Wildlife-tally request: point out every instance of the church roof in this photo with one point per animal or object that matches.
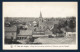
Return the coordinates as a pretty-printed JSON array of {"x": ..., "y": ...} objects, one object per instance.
[{"x": 25, "y": 32}]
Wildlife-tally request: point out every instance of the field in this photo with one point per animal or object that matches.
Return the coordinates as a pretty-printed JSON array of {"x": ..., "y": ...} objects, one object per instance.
[{"x": 62, "y": 40}]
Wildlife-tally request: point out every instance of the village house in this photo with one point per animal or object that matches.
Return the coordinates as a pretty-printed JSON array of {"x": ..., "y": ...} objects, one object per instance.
[
  {"x": 10, "y": 33},
  {"x": 24, "y": 35}
]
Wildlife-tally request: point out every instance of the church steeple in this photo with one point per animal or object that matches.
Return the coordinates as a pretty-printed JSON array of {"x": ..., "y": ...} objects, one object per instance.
[
  {"x": 40, "y": 15},
  {"x": 40, "y": 18}
]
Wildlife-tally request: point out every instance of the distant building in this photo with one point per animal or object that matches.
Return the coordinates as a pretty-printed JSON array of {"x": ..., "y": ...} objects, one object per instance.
[
  {"x": 25, "y": 33},
  {"x": 39, "y": 28},
  {"x": 41, "y": 23},
  {"x": 70, "y": 34},
  {"x": 11, "y": 32},
  {"x": 24, "y": 36}
]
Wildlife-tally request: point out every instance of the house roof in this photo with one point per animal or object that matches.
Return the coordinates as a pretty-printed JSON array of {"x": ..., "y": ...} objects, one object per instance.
[
  {"x": 34, "y": 22},
  {"x": 11, "y": 29},
  {"x": 25, "y": 32}
]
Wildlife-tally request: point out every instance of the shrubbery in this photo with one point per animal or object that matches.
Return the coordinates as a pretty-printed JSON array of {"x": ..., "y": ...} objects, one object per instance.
[{"x": 68, "y": 25}]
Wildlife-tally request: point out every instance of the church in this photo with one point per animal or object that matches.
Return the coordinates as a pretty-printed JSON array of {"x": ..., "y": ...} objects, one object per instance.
[{"x": 40, "y": 26}]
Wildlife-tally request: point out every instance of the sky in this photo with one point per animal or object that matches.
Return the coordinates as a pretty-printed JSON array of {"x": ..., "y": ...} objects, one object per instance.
[{"x": 33, "y": 9}]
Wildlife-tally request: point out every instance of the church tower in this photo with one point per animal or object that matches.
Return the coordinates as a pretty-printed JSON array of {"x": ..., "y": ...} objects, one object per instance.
[{"x": 40, "y": 22}]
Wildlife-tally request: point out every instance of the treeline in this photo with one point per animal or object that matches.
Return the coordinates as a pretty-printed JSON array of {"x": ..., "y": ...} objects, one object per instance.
[{"x": 68, "y": 25}]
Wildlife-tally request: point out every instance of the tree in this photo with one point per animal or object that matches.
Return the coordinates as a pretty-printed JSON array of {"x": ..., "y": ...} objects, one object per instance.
[
  {"x": 72, "y": 23},
  {"x": 56, "y": 29}
]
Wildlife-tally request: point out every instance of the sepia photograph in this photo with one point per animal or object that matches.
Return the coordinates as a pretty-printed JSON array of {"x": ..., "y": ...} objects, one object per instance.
[{"x": 40, "y": 24}]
